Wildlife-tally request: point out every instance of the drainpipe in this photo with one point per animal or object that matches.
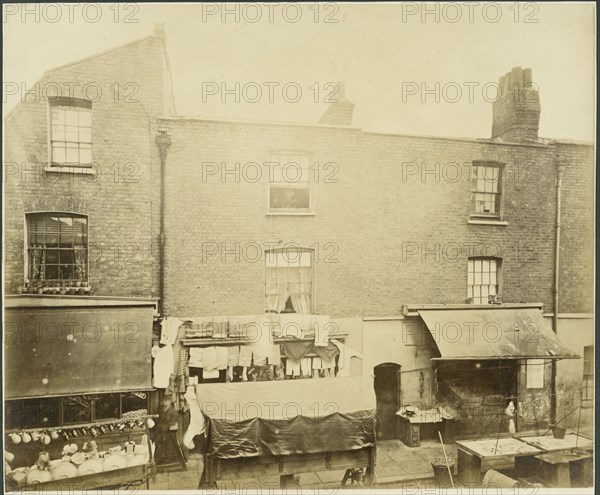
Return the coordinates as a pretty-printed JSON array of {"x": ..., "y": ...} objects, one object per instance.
[
  {"x": 163, "y": 141},
  {"x": 560, "y": 168}
]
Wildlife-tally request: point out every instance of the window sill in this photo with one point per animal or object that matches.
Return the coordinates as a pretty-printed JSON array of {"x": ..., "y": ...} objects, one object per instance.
[
  {"x": 70, "y": 170},
  {"x": 485, "y": 221},
  {"x": 290, "y": 214}
]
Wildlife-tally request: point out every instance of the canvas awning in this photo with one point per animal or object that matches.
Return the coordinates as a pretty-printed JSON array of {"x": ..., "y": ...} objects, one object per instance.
[
  {"x": 495, "y": 333},
  {"x": 286, "y": 399}
]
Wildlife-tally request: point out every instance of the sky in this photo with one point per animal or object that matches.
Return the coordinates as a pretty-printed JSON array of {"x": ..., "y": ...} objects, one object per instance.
[{"x": 412, "y": 68}]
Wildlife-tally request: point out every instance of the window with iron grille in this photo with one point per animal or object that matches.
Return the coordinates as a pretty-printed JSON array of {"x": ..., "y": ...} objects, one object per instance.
[
  {"x": 57, "y": 247},
  {"x": 486, "y": 189},
  {"x": 482, "y": 279},
  {"x": 70, "y": 131},
  {"x": 289, "y": 188}
]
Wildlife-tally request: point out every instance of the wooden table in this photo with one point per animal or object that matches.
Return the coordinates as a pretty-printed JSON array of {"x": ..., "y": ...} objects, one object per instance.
[
  {"x": 556, "y": 468},
  {"x": 560, "y": 458},
  {"x": 287, "y": 466},
  {"x": 471, "y": 454},
  {"x": 550, "y": 444},
  {"x": 552, "y": 456}
]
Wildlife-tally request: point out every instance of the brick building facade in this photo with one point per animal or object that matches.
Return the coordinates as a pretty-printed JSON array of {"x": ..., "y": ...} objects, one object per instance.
[{"x": 389, "y": 219}]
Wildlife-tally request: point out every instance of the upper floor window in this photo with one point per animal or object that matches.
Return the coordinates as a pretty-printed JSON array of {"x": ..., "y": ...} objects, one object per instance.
[
  {"x": 289, "y": 188},
  {"x": 70, "y": 131},
  {"x": 486, "y": 189},
  {"x": 482, "y": 279},
  {"x": 57, "y": 247},
  {"x": 289, "y": 281}
]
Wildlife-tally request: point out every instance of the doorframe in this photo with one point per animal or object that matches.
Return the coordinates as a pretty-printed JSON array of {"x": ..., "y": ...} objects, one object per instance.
[{"x": 398, "y": 366}]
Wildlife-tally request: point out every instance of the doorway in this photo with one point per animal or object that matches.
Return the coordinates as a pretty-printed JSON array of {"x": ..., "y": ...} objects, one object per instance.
[{"x": 387, "y": 393}]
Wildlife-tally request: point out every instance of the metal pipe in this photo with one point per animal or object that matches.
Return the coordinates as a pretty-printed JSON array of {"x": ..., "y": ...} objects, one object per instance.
[
  {"x": 560, "y": 168},
  {"x": 163, "y": 141}
]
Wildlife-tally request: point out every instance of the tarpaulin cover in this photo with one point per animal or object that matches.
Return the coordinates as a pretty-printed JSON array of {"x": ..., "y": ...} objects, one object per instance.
[
  {"x": 510, "y": 333},
  {"x": 289, "y": 417}
]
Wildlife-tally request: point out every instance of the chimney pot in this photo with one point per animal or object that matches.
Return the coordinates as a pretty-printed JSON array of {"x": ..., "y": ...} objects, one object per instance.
[
  {"x": 527, "y": 78},
  {"x": 506, "y": 88},
  {"x": 516, "y": 77}
]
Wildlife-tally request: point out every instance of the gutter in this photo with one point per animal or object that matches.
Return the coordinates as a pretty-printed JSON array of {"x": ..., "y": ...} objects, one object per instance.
[
  {"x": 163, "y": 141},
  {"x": 560, "y": 168}
]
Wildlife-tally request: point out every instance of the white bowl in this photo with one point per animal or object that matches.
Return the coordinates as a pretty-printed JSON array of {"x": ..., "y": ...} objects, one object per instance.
[
  {"x": 38, "y": 476},
  {"x": 91, "y": 466},
  {"x": 63, "y": 471},
  {"x": 114, "y": 461}
]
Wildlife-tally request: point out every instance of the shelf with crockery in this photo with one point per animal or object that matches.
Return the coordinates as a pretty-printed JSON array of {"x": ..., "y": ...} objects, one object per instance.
[{"x": 83, "y": 456}]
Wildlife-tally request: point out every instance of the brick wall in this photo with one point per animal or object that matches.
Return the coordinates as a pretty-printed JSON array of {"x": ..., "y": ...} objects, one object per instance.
[
  {"x": 372, "y": 219},
  {"x": 119, "y": 199},
  {"x": 391, "y": 213},
  {"x": 576, "y": 279}
]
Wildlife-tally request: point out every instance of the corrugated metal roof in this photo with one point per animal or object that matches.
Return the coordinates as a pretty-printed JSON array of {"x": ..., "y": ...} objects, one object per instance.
[{"x": 494, "y": 334}]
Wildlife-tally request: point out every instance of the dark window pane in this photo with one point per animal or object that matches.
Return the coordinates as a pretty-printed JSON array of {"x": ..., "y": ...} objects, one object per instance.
[
  {"x": 66, "y": 240},
  {"x": 134, "y": 401},
  {"x": 107, "y": 406},
  {"x": 67, "y": 272},
  {"x": 52, "y": 256},
  {"x": 67, "y": 257},
  {"x": 32, "y": 413},
  {"x": 52, "y": 272},
  {"x": 77, "y": 409}
]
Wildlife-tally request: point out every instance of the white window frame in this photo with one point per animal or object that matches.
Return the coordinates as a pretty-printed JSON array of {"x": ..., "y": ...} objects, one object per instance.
[
  {"x": 26, "y": 247},
  {"x": 480, "y": 277},
  {"x": 80, "y": 106},
  {"x": 277, "y": 163},
  {"x": 311, "y": 256},
  {"x": 496, "y": 187}
]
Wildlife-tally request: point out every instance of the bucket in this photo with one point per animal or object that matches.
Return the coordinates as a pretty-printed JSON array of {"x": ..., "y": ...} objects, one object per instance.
[
  {"x": 440, "y": 472},
  {"x": 558, "y": 431}
]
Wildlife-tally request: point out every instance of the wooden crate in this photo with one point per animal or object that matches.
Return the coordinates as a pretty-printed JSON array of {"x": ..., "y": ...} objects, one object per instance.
[{"x": 410, "y": 433}]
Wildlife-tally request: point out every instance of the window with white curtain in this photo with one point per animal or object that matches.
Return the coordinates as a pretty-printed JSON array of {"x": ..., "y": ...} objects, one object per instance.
[
  {"x": 289, "y": 280},
  {"x": 482, "y": 279}
]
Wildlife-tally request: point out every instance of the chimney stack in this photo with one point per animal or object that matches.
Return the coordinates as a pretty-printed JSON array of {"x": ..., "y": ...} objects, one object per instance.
[
  {"x": 159, "y": 29},
  {"x": 340, "y": 111},
  {"x": 516, "y": 112}
]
